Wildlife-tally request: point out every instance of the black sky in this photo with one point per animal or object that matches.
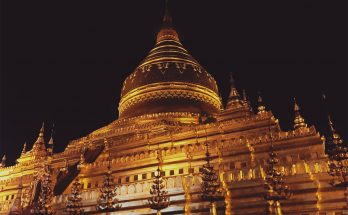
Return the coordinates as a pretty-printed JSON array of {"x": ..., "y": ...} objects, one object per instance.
[{"x": 65, "y": 61}]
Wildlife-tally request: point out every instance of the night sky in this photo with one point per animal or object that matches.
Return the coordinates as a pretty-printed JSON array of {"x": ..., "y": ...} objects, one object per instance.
[{"x": 65, "y": 61}]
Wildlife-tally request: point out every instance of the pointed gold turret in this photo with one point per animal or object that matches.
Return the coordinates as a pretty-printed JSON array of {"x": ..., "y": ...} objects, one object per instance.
[
  {"x": 24, "y": 150},
  {"x": 336, "y": 138},
  {"x": 245, "y": 97},
  {"x": 234, "y": 99},
  {"x": 3, "y": 161},
  {"x": 261, "y": 107},
  {"x": 299, "y": 121},
  {"x": 246, "y": 101},
  {"x": 40, "y": 138},
  {"x": 167, "y": 31},
  {"x": 39, "y": 145},
  {"x": 51, "y": 141},
  {"x": 50, "y": 144},
  {"x": 338, "y": 158}
]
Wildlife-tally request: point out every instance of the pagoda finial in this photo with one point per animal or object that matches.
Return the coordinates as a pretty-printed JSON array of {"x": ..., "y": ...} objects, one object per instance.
[
  {"x": 234, "y": 99},
  {"x": 51, "y": 141},
  {"x": 232, "y": 81},
  {"x": 40, "y": 141},
  {"x": 333, "y": 134},
  {"x": 332, "y": 129},
  {"x": 299, "y": 121},
  {"x": 24, "y": 150},
  {"x": 338, "y": 158},
  {"x": 3, "y": 161},
  {"x": 246, "y": 100},
  {"x": 42, "y": 129},
  {"x": 41, "y": 133},
  {"x": 336, "y": 138},
  {"x": 245, "y": 97},
  {"x": 261, "y": 107},
  {"x": 167, "y": 18},
  {"x": 167, "y": 31}
]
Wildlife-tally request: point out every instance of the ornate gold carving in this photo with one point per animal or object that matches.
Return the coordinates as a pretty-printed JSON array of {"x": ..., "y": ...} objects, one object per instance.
[{"x": 169, "y": 90}]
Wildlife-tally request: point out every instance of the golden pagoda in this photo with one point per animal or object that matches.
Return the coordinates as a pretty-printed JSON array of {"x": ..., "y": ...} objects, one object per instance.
[{"x": 170, "y": 105}]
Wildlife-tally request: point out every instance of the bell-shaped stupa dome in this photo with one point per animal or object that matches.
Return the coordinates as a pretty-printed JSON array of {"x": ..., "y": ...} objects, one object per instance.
[{"x": 169, "y": 79}]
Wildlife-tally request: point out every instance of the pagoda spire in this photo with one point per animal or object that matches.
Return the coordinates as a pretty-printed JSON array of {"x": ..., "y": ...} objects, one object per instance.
[
  {"x": 167, "y": 31},
  {"x": 51, "y": 142},
  {"x": 338, "y": 157},
  {"x": 40, "y": 141},
  {"x": 167, "y": 18},
  {"x": 261, "y": 108},
  {"x": 245, "y": 97},
  {"x": 246, "y": 100},
  {"x": 41, "y": 134},
  {"x": 3, "y": 161},
  {"x": 24, "y": 150},
  {"x": 234, "y": 97},
  {"x": 335, "y": 136},
  {"x": 299, "y": 121}
]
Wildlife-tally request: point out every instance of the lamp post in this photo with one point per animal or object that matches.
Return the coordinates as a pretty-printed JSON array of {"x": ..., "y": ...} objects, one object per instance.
[
  {"x": 159, "y": 198},
  {"x": 338, "y": 160},
  {"x": 276, "y": 189},
  {"x": 211, "y": 187},
  {"x": 107, "y": 201},
  {"x": 44, "y": 204},
  {"x": 74, "y": 205}
]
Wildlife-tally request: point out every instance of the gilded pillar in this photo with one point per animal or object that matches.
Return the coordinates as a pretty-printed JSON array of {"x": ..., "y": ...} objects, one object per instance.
[
  {"x": 346, "y": 195},
  {"x": 187, "y": 181},
  {"x": 213, "y": 208},
  {"x": 219, "y": 149},
  {"x": 274, "y": 207},
  {"x": 227, "y": 194},
  {"x": 186, "y": 185}
]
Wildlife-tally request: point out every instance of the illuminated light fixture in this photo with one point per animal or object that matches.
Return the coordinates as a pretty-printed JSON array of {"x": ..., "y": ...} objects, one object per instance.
[
  {"x": 211, "y": 187},
  {"x": 107, "y": 201},
  {"x": 159, "y": 198},
  {"x": 276, "y": 188}
]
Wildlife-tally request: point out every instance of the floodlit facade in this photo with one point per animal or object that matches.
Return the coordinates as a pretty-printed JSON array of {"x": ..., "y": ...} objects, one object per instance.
[{"x": 171, "y": 124}]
